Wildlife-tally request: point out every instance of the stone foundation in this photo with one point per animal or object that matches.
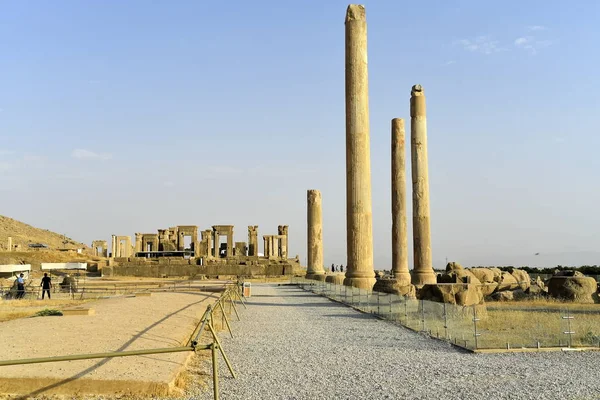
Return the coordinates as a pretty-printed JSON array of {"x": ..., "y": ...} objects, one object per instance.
[
  {"x": 335, "y": 279},
  {"x": 395, "y": 286}
]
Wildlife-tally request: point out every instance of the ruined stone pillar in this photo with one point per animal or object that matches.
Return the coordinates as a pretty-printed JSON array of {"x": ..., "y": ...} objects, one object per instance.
[
  {"x": 253, "y": 240},
  {"x": 423, "y": 269},
  {"x": 208, "y": 236},
  {"x": 399, "y": 222},
  {"x": 314, "y": 245},
  {"x": 359, "y": 230},
  {"x": 283, "y": 247},
  {"x": 114, "y": 246},
  {"x": 138, "y": 242},
  {"x": 230, "y": 245},
  {"x": 10, "y": 246},
  {"x": 283, "y": 230},
  {"x": 265, "y": 246}
]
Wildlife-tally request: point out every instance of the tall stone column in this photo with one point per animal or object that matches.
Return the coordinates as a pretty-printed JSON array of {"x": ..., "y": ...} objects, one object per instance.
[
  {"x": 230, "y": 244},
  {"x": 399, "y": 223},
  {"x": 114, "y": 246},
  {"x": 314, "y": 245},
  {"x": 423, "y": 269},
  {"x": 400, "y": 282},
  {"x": 265, "y": 246},
  {"x": 359, "y": 230}
]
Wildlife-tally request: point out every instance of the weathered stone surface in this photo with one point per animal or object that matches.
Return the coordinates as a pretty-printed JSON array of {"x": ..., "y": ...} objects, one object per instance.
[
  {"x": 485, "y": 275},
  {"x": 359, "y": 221},
  {"x": 335, "y": 279},
  {"x": 496, "y": 271},
  {"x": 453, "y": 266},
  {"x": 506, "y": 282},
  {"x": 522, "y": 278},
  {"x": 395, "y": 286},
  {"x": 455, "y": 273},
  {"x": 488, "y": 288},
  {"x": 314, "y": 235},
  {"x": 507, "y": 295},
  {"x": 423, "y": 267},
  {"x": 400, "y": 270},
  {"x": 577, "y": 288},
  {"x": 460, "y": 294}
]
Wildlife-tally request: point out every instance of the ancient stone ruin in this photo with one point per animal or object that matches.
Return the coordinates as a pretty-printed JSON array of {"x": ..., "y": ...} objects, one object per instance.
[{"x": 180, "y": 251}]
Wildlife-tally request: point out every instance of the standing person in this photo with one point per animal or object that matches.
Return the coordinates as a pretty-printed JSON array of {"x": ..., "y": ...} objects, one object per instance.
[
  {"x": 332, "y": 268},
  {"x": 20, "y": 286},
  {"x": 46, "y": 285},
  {"x": 341, "y": 267}
]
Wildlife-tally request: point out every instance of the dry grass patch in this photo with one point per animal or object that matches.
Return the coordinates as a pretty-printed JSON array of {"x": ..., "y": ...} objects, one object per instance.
[{"x": 15, "y": 309}]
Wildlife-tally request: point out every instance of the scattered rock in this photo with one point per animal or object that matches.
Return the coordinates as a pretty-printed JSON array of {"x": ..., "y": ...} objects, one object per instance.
[
  {"x": 460, "y": 294},
  {"x": 506, "y": 282},
  {"x": 575, "y": 287}
]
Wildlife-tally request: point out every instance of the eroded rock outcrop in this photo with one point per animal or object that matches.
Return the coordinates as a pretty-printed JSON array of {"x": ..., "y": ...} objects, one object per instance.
[{"x": 574, "y": 286}]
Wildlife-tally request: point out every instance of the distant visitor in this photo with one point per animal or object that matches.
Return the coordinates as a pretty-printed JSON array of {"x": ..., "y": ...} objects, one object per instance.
[{"x": 46, "y": 285}]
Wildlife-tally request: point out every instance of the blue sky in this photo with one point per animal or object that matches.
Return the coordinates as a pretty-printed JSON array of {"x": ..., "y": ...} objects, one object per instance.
[{"x": 122, "y": 117}]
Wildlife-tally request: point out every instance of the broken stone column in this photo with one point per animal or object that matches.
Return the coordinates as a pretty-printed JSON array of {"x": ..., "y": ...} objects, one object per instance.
[
  {"x": 400, "y": 281},
  {"x": 423, "y": 269},
  {"x": 114, "y": 246},
  {"x": 283, "y": 231},
  {"x": 314, "y": 245},
  {"x": 138, "y": 242},
  {"x": 9, "y": 245},
  {"x": 253, "y": 240},
  {"x": 359, "y": 272},
  {"x": 265, "y": 246}
]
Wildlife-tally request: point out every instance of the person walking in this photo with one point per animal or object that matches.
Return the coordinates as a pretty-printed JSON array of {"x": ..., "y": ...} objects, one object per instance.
[
  {"x": 46, "y": 285},
  {"x": 20, "y": 286}
]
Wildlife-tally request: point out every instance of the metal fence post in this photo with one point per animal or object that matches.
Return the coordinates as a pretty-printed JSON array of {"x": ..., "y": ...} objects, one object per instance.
[
  {"x": 213, "y": 350},
  {"x": 475, "y": 319},
  {"x": 445, "y": 322},
  {"x": 422, "y": 315},
  {"x": 569, "y": 331}
]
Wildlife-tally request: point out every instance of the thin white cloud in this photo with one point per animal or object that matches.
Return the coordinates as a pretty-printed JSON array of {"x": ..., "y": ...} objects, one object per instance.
[
  {"x": 522, "y": 41},
  {"x": 559, "y": 140},
  {"x": 534, "y": 28},
  {"x": 83, "y": 154},
  {"x": 168, "y": 184},
  {"x": 449, "y": 62},
  {"x": 531, "y": 44},
  {"x": 481, "y": 44},
  {"x": 6, "y": 152}
]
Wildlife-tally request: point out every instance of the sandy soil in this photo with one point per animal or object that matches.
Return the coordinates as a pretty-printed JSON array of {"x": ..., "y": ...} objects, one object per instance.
[{"x": 119, "y": 324}]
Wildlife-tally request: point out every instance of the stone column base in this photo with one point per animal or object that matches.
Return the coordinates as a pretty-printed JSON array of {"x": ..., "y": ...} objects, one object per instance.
[
  {"x": 315, "y": 277},
  {"x": 361, "y": 283},
  {"x": 335, "y": 279},
  {"x": 398, "y": 287},
  {"x": 424, "y": 278}
]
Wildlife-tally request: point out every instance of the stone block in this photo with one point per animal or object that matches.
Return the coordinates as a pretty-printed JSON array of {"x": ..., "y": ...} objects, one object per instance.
[{"x": 79, "y": 311}]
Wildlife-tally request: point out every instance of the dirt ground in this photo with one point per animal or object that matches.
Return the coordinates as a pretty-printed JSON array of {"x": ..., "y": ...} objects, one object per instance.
[{"x": 119, "y": 324}]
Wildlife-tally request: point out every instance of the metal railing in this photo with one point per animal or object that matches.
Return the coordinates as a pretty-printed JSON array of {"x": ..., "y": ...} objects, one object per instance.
[
  {"x": 223, "y": 306},
  {"x": 486, "y": 327}
]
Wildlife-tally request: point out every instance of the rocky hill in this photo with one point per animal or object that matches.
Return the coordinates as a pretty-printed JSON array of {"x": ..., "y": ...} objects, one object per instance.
[{"x": 23, "y": 235}]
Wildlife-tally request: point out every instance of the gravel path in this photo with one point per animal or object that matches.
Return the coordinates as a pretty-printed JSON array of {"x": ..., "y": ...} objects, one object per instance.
[{"x": 293, "y": 344}]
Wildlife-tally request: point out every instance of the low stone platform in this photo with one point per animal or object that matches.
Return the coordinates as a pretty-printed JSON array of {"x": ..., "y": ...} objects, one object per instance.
[
  {"x": 143, "y": 294},
  {"x": 79, "y": 311},
  {"x": 121, "y": 324}
]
